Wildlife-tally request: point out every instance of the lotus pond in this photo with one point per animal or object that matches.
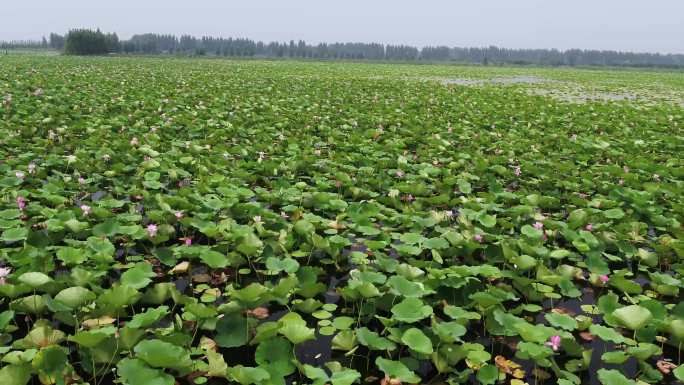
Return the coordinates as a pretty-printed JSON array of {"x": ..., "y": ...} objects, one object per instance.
[{"x": 192, "y": 221}]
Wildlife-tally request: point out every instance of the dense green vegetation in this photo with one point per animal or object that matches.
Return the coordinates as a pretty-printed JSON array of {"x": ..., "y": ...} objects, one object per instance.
[
  {"x": 256, "y": 222},
  {"x": 87, "y": 42}
]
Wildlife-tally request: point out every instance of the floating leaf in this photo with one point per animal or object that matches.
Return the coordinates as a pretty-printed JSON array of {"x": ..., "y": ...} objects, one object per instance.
[
  {"x": 417, "y": 340},
  {"x": 135, "y": 372},
  {"x": 411, "y": 310},
  {"x": 160, "y": 354},
  {"x": 633, "y": 317}
]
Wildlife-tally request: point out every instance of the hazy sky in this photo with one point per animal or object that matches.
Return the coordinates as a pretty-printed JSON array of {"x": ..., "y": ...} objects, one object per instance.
[{"x": 635, "y": 25}]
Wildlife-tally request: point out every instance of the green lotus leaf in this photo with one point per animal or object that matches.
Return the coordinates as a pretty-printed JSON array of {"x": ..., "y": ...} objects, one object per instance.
[
  {"x": 613, "y": 377},
  {"x": 232, "y": 331},
  {"x": 34, "y": 279},
  {"x": 562, "y": 321},
  {"x": 214, "y": 259},
  {"x": 456, "y": 313},
  {"x": 487, "y": 220},
  {"x": 294, "y": 328},
  {"x": 75, "y": 297},
  {"x": 411, "y": 310},
  {"x": 92, "y": 338},
  {"x": 71, "y": 256},
  {"x": 343, "y": 322},
  {"x": 136, "y": 372},
  {"x": 606, "y": 333},
  {"x": 344, "y": 340},
  {"x": 417, "y": 340},
  {"x": 160, "y": 354},
  {"x": 247, "y": 375},
  {"x": 15, "y": 374},
  {"x": 34, "y": 304},
  {"x": 402, "y": 286},
  {"x": 147, "y": 318},
  {"x": 488, "y": 374},
  {"x": 615, "y": 213},
  {"x": 531, "y": 232},
  {"x": 678, "y": 372},
  {"x": 449, "y": 331},
  {"x": 633, "y": 317},
  {"x": 14, "y": 234},
  {"x": 304, "y": 228},
  {"x": 139, "y": 276},
  {"x": 344, "y": 377},
  {"x": 277, "y": 265},
  {"x": 373, "y": 340},
  {"x": 43, "y": 335},
  {"x": 397, "y": 370},
  {"x": 51, "y": 361},
  {"x": 616, "y": 357},
  {"x": 533, "y": 351},
  {"x": 252, "y": 295},
  {"x": 276, "y": 353}
]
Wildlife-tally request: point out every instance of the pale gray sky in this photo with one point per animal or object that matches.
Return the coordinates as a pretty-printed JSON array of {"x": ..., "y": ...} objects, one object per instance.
[{"x": 634, "y": 25}]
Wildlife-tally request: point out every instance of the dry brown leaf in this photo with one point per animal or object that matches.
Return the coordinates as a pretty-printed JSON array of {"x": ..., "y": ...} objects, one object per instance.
[
  {"x": 96, "y": 322},
  {"x": 207, "y": 344},
  {"x": 562, "y": 310},
  {"x": 180, "y": 268},
  {"x": 518, "y": 382},
  {"x": 586, "y": 336},
  {"x": 502, "y": 363},
  {"x": 259, "y": 313},
  {"x": 665, "y": 367},
  {"x": 519, "y": 373},
  {"x": 201, "y": 278},
  {"x": 541, "y": 374}
]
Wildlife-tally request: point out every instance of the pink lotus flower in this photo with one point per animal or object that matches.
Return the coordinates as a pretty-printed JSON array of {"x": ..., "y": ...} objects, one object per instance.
[
  {"x": 152, "y": 230},
  {"x": 4, "y": 272},
  {"x": 589, "y": 227},
  {"x": 400, "y": 174},
  {"x": 21, "y": 203},
  {"x": 187, "y": 241},
  {"x": 32, "y": 168},
  {"x": 134, "y": 141},
  {"x": 86, "y": 209},
  {"x": 604, "y": 278},
  {"x": 178, "y": 214},
  {"x": 477, "y": 238},
  {"x": 20, "y": 175},
  {"x": 554, "y": 342},
  {"x": 81, "y": 180},
  {"x": 538, "y": 225},
  {"x": 517, "y": 171}
]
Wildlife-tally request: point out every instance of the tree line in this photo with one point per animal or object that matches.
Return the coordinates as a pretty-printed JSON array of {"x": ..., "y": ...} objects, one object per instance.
[{"x": 89, "y": 42}]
